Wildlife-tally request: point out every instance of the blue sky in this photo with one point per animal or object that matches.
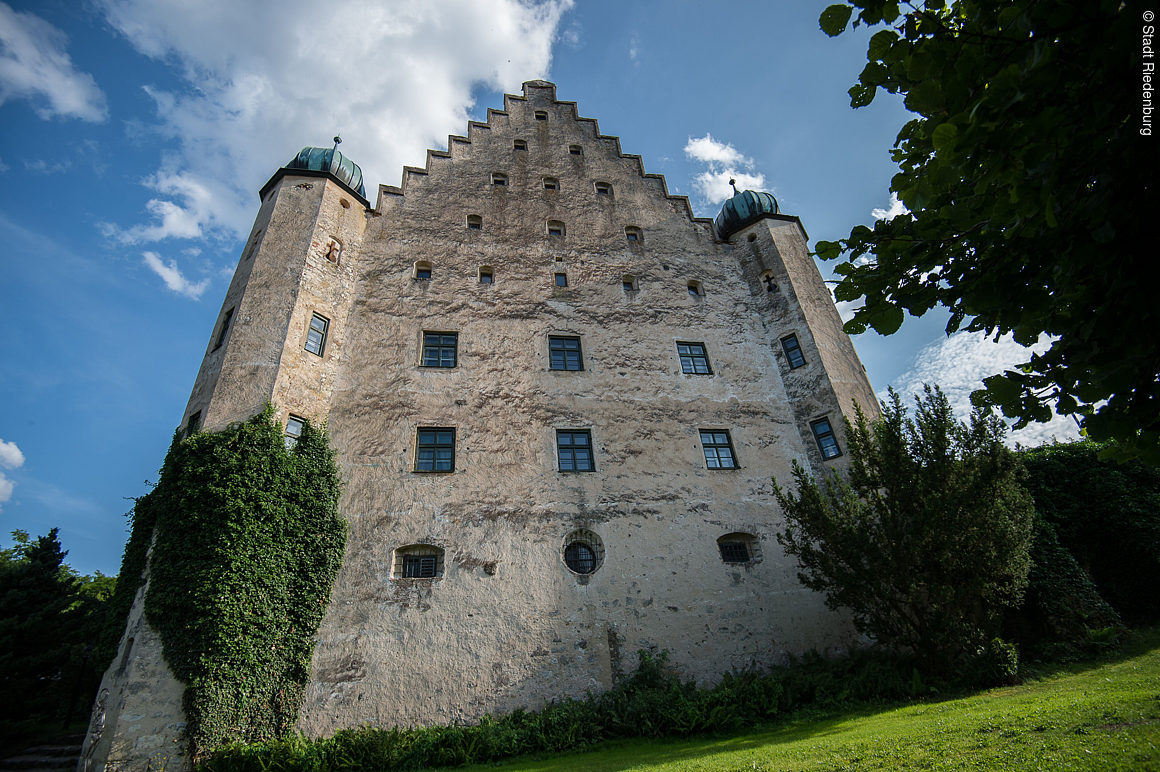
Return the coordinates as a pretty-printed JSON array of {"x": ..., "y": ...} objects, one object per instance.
[{"x": 135, "y": 134}]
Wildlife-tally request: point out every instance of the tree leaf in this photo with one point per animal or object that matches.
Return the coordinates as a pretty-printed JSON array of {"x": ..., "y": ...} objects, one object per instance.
[
  {"x": 944, "y": 136},
  {"x": 834, "y": 19}
]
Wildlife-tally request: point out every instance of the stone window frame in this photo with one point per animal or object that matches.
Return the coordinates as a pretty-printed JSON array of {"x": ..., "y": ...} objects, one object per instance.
[
  {"x": 519, "y": 144},
  {"x": 792, "y": 350},
  {"x": 694, "y": 357},
  {"x": 551, "y": 183},
  {"x": 588, "y": 540},
  {"x": 560, "y": 280},
  {"x": 293, "y": 430},
  {"x": 540, "y": 115},
  {"x": 767, "y": 280},
  {"x": 696, "y": 289},
  {"x": 827, "y": 440},
  {"x": 334, "y": 250},
  {"x": 564, "y": 348},
  {"x": 486, "y": 271},
  {"x": 576, "y": 150},
  {"x": 603, "y": 188},
  {"x": 499, "y": 180},
  {"x": 413, "y": 556},
  {"x": 633, "y": 234},
  {"x": 474, "y": 222},
  {"x": 629, "y": 284},
  {"x": 730, "y": 545},
  {"x": 225, "y": 330},
  {"x": 193, "y": 423},
  {"x": 439, "y": 346},
  {"x": 420, "y": 267},
  {"x": 711, "y": 451},
  {"x": 317, "y": 336},
  {"x": 556, "y": 229},
  {"x": 571, "y": 447},
  {"x": 435, "y": 445}
]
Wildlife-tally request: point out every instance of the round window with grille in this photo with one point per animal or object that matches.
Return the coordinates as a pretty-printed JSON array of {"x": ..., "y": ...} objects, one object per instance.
[{"x": 583, "y": 552}]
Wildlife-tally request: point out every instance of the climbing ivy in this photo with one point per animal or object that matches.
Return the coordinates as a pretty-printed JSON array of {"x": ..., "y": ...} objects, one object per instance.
[{"x": 248, "y": 543}]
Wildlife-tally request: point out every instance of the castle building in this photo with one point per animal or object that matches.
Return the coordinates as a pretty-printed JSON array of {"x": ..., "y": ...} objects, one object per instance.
[{"x": 557, "y": 400}]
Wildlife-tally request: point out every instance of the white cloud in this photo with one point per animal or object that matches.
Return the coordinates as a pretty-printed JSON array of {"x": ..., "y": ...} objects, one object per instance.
[
  {"x": 173, "y": 277},
  {"x": 34, "y": 65},
  {"x": 572, "y": 36},
  {"x": 723, "y": 161},
  {"x": 634, "y": 48},
  {"x": 265, "y": 79},
  {"x": 896, "y": 208},
  {"x": 40, "y": 166},
  {"x": 958, "y": 365},
  {"x": 10, "y": 458},
  {"x": 3, "y": 166}
]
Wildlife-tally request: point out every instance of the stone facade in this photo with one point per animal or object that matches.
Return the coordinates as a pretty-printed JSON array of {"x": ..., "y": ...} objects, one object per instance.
[{"x": 505, "y": 622}]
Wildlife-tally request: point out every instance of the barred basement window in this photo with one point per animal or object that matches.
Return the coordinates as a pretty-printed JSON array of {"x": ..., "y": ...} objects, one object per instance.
[
  {"x": 294, "y": 426},
  {"x": 418, "y": 561},
  {"x": 575, "y": 150},
  {"x": 316, "y": 335},
  {"x": 225, "y": 329},
  {"x": 435, "y": 450},
  {"x": 520, "y": 144},
  {"x": 793, "y": 352},
  {"x": 474, "y": 222},
  {"x": 541, "y": 115},
  {"x": 564, "y": 353},
  {"x": 583, "y": 552},
  {"x": 739, "y": 548},
  {"x": 824, "y": 434},
  {"x": 718, "y": 450},
  {"x": 551, "y": 183},
  {"x": 694, "y": 358},
  {"x": 574, "y": 451},
  {"x": 498, "y": 179},
  {"x": 439, "y": 349}
]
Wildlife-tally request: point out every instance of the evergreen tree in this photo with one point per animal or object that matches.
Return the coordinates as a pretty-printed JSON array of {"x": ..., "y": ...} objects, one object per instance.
[{"x": 928, "y": 540}]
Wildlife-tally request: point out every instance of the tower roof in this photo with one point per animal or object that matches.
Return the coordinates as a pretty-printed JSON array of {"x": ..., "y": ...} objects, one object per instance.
[
  {"x": 744, "y": 208},
  {"x": 325, "y": 159}
]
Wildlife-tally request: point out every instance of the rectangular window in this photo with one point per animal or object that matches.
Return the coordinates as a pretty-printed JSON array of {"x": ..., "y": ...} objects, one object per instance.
[
  {"x": 718, "y": 450},
  {"x": 824, "y": 434},
  {"x": 193, "y": 424},
  {"x": 316, "y": 335},
  {"x": 564, "y": 354},
  {"x": 439, "y": 349},
  {"x": 521, "y": 144},
  {"x": 225, "y": 329},
  {"x": 575, "y": 451},
  {"x": 419, "y": 566},
  {"x": 734, "y": 551},
  {"x": 694, "y": 360},
  {"x": 293, "y": 430},
  {"x": 793, "y": 352},
  {"x": 435, "y": 451},
  {"x": 561, "y": 280}
]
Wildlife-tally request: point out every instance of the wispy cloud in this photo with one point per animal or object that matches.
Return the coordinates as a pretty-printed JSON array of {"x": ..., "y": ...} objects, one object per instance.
[
  {"x": 34, "y": 66},
  {"x": 400, "y": 82},
  {"x": 40, "y": 166},
  {"x": 572, "y": 36},
  {"x": 10, "y": 458},
  {"x": 725, "y": 163},
  {"x": 896, "y": 208},
  {"x": 173, "y": 277},
  {"x": 958, "y": 365}
]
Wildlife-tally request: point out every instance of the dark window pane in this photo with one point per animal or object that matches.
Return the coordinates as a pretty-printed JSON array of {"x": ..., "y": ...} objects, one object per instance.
[
  {"x": 561, "y": 280},
  {"x": 827, "y": 443},
  {"x": 718, "y": 450},
  {"x": 793, "y": 351},
  {"x": 628, "y": 287},
  {"x": 564, "y": 354},
  {"x": 694, "y": 359},
  {"x": 316, "y": 335},
  {"x": 423, "y": 273},
  {"x": 436, "y": 451},
  {"x": 485, "y": 278},
  {"x": 439, "y": 349},
  {"x": 580, "y": 558},
  {"x": 734, "y": 552}
]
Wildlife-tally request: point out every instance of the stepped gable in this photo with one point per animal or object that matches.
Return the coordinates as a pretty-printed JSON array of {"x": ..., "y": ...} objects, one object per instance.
[{"x": 457, "y": 144}]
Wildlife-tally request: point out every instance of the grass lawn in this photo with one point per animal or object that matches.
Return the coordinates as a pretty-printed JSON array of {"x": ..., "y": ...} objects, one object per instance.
[{"x": 1103, "y": 716}]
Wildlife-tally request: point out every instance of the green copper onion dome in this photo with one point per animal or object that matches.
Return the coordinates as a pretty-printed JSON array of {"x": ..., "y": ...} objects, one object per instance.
[
  {"x": 325, "y": 159},
  {"x": 744, "y": 208}
]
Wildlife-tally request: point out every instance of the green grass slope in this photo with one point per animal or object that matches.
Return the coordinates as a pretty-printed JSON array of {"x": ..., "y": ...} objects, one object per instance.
[{"x": 1101, "y": 717}]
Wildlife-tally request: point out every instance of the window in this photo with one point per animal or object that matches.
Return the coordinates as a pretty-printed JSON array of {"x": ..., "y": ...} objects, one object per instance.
[
  {"x": 551, "y": 183},
  {"x": 225, "y": 329},
  {"x": 474, "y": 222},
  {"x": 628, "y": 282},
  {"x": 193, "y": 424},
  {"x": 583, "y": 551},
  {"x": 316, "y": 335},
  {"x": 633, "y": 234},
  {"x": 561, "y": 280},
  {"x": 435, "y": 451},
  {"x": 694, "y": 359},
  {"x": 418, "y": 561},
  {"x": 718, "y": 450},
  {"x": 603, "y": 189},
  {"x": 564, "y": 353},
  {"x": 824, "y": 434},
  {"x": 334, "y": 251},
  {"x": 555, "y": 228},
  {"x": 439, "y": 349},
  {"x": 486, "y": 274},
  {"x": 422, "y": 270},
  {"x": 253, "y": 246},
  {"x": 498, "y": 179},
  {"x": 739, "y": 548},
  {"x": 520, "y": 144},
  {"x": 574, "y": 450},
  {"x": 770, "y": 284},
  {"x": 575, "y": 150},
  {"x": 793, "y": 352},
  {"x": 293, "y": 430},
  {"x": 541, "y": 115},
  {"x": 695, "y": 289}
]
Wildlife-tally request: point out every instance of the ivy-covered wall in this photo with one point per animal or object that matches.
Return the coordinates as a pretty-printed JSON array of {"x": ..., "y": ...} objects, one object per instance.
[{"x": 248, "y": 543}]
